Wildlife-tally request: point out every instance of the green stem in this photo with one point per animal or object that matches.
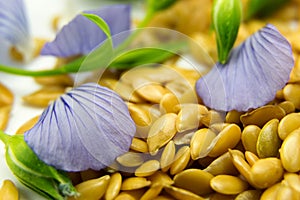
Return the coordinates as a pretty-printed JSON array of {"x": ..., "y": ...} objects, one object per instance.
[{"x": 4, "y": 137}]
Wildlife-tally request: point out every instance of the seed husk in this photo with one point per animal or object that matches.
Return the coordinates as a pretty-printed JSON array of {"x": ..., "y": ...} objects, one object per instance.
[
  {"x": 44, "y": 96},
  {"x": 133, "y": 183},
  {"x": 179, "y": 193},
  {"x": 9, "y": 191},
  {"x": 249, "y": 137},
  {"x": 268, "y": 141},
  {"x": 194, "y": 180},
  {"x": 262, "y": 115},
  {"x": 227, "y": 184},
  {"x": 290, "y": 152},
  {"x": 147, "y": 168},
  {"x": 167, "y": 156},
  {"x": 288, "y": 124},
  {"x": 161, "y": 132},
  {"x": 114, "y": 186},
  {"x": 6, "y": 96}
]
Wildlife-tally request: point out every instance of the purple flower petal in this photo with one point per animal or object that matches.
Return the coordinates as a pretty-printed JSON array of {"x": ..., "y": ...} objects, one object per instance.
[
  {"x": 81, "y": 35},
  {"x": 86, "y": 128},
  {"x": 254, "y": 72},
  {"x": 13, "y": 22}
]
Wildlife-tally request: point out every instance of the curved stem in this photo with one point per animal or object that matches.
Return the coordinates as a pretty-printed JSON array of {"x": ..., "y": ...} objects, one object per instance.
[{"x": 4, "y": 137}]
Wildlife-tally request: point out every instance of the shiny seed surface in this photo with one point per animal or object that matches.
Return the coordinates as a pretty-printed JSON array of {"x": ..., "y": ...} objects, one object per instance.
[
  {"x": 288, "y": 124},
  {"x": 114, "y": 186},
  {"x": 167, "y": 156},
  {"x": 134, "y": 183},
  {"x": 194, "y": 180},
  {"x": 147, "y": 168},
  {"x": 226, "y": 184},
  {"x": 249, "y": 137}
]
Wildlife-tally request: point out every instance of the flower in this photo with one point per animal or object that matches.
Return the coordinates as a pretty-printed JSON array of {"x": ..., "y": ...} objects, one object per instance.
[
  {"x": 81, "y": 35},
  {"x": 86, "y": 128},
  {"x": 14, "y": 29},
  {"x": 254, "y": 72}
]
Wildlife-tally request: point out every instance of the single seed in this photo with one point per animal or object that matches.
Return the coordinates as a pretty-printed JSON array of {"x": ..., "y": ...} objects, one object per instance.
[
  {"x": 8, "y": 191},
  {"x": 251, "y": 158},
  {"x": 288, "y": 124},
  {"x": 152, "y": 192},
  {"x": 226, "y": 139},
  {"x": 268, "y": 141},
  {"x": 147, "y": 168},
  {"x": 262, "y": 115},
  {"x": 152, "y": 92},
  {"x": 161, "y": 132},
  {"x": 28, "y": 125},
  {"x": 4, "y": 116},
  {"x": 130, "y": 159},
  {"x": 160, "y": 178},
  {"x": 291, "y": 93},
  {"x": 139, "y": 145},
  {"x": 179, "y": 193},
  {"x": 169, "y": 103},
  {"x": 6, "y": 96},
  {"x": 92, "y": 189},
  {"x": 134, "y": 183},
  {"x": 233, "y": 117},
  {"x": 266, "y": 172},
  {"x": 288, "y": 106},
  {"x": 140, "y": 116},
  {"x": 167, "y": 156},
  {"x": 222, "y": 165},
  {"x": 290, "y": 152},
  {"x": 194, "y": 180},
  {"x": 249, "y": 137},
  {"x": 181, "y": 160},
  {"x": 189, "y": 116},
  {"x": 200, "y": 142},
  {"x": 44, "y": 96},
  {"x": 227, "y": 184},
  {"x": 57, "y": 80},
  {"x": 114, "y": 186}
]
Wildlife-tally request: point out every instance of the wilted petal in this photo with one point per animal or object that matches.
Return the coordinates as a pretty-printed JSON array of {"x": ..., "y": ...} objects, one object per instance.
[
  {"x": 255, "y": 71},
  {"x": 88, "y": 127},
  {"x": 81, "y": 35}
]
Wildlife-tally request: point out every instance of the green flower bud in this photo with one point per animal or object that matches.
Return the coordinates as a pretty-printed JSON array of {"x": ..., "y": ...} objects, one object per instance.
[
  {"x": 33, "y": 172},
  {"x": 226, "y": 18}
]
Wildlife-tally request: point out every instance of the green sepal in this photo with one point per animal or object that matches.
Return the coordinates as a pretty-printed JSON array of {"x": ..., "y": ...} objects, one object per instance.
[
  {"x": 226, "y": 19},
  {"x": 33, "y": 172}
]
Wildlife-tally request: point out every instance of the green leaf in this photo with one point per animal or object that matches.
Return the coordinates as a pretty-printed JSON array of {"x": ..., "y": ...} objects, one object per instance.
[
  {"x": 262, "y": 8},
  {"x": 226, "y": 19},
  {"x": 99, "y": 22},
  {"x": 147, "y": 55}
]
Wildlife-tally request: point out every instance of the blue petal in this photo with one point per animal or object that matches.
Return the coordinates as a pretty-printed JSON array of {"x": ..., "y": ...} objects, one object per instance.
[
  {"x": 13, "y": 22},
  {"x": 81, "y": 35},
  {"x": 86, "y": 128},
  {"x": 255, "y": 71}
]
